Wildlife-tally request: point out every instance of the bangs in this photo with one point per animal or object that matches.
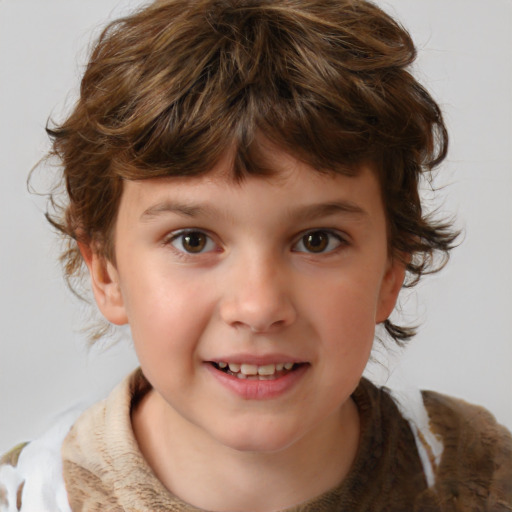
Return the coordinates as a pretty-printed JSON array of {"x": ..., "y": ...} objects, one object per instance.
[{"x": 246, "y": 72}]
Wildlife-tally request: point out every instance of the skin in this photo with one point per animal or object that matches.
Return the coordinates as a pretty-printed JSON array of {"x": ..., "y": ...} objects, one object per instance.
[{"x": 258, "y": 291}]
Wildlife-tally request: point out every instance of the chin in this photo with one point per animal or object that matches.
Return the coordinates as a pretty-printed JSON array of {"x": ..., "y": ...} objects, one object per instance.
[{"x": 261, "y": 441}]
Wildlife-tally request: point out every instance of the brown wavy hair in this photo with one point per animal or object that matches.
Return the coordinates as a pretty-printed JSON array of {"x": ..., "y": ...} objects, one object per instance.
[{"x": 171, "y": 88}]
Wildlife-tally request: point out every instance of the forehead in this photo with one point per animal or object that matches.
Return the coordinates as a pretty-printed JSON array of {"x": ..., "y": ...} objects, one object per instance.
[{"x": 292, "y": 187}]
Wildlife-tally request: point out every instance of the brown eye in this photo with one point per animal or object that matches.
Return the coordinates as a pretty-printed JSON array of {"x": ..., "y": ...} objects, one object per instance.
[
  {"x": 317, "y": 241},
  {"x": 193, "y": 242}
]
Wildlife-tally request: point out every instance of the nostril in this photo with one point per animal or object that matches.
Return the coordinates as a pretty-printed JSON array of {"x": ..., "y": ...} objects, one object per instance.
[{"x": 264, "y": 329}]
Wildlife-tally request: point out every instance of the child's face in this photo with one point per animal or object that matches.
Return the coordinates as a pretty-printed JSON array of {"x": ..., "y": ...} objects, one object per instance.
[{"x": 288, "y": 269}]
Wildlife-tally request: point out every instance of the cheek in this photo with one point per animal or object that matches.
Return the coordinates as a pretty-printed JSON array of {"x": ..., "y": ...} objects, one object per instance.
[
  {"x": 343, "y": 316},
  {"x": 166, "y": 313},
  {"x": 346, "y": 306},
  {"x": 155, "y": 296}
]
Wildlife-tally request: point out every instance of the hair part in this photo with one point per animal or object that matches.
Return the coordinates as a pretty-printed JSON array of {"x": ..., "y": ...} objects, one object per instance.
[{"x": 173, "y": 87}]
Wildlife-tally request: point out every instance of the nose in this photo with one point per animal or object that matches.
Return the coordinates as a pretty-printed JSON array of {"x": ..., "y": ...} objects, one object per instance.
[{"x": 258, "y": 297}]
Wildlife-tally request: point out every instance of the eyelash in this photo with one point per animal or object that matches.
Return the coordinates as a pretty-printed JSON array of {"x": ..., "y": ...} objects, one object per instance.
[{"x": 324, "y": 237}]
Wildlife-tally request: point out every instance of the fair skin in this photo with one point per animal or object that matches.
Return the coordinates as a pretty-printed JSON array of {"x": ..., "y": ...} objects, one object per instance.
[{"x": 285, "y": 271}]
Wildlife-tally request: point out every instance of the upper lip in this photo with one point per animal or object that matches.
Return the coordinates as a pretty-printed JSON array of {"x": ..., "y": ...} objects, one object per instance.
[{"x": 259, "y": 360}]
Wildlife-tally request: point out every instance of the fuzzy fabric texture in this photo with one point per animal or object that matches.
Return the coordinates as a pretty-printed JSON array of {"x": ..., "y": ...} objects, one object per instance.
[
  {"x": 102, "y": 468},
  {"x": 31, "y": 474}
]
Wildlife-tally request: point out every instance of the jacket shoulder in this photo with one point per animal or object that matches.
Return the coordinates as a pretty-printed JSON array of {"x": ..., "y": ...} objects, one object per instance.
[
  {"x": 11, "y": 485},
  {"x": 12, "y": 456},
  {"x": 31, "y": 473},
  {"x": 476, "y": 464}
]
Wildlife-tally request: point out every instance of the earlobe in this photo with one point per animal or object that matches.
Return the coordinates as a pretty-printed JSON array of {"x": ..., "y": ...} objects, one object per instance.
[
  {"x": 390, "y": 288},
  {"x": 105, "y": 285}
]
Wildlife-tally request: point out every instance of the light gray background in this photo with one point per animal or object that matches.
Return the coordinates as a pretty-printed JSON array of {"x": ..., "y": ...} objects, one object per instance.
[{"x": 465, "y": 344}]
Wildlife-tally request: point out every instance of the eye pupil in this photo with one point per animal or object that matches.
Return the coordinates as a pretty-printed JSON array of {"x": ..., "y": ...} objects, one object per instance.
[
  {"x": 316, "y": 241},
  {"x": 194, "y": 242}
]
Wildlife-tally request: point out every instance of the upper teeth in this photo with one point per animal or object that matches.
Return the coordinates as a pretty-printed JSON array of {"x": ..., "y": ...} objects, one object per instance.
[{"x": 254, "y": 369}]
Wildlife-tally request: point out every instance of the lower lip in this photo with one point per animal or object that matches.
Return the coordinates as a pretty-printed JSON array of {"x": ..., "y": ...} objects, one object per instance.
[{"x": 259, "y": 389}]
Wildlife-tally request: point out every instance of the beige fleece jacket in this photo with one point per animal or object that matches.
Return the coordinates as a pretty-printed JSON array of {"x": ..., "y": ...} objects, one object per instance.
[{"x": 104, "y": 470}]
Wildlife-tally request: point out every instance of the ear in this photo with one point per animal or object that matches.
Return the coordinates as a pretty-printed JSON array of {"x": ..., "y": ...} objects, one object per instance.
[
  {"x": 390, "y": 288},
  {"x": 105, "y": 285}
]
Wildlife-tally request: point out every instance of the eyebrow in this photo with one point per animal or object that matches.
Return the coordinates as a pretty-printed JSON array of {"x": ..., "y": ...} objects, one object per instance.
[
  {"x": 309, "y": 212},
  {"x": 317, "y": 211},
  {"x": 185, "y": 210}
]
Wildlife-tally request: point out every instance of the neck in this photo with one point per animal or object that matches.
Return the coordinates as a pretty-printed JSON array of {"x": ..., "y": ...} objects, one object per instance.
[{"x": 197, "y": 469}]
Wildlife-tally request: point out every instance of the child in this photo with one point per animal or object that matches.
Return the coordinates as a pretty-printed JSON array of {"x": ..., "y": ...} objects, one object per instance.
[{"x": 242, "y": 182}]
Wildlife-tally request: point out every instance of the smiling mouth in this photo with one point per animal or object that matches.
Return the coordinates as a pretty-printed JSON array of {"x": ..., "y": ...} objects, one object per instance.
[{"x": 256, "y": 372}]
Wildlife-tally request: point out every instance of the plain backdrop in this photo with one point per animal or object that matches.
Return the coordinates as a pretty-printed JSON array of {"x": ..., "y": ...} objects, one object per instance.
[{"x": 465, "y": 344}]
